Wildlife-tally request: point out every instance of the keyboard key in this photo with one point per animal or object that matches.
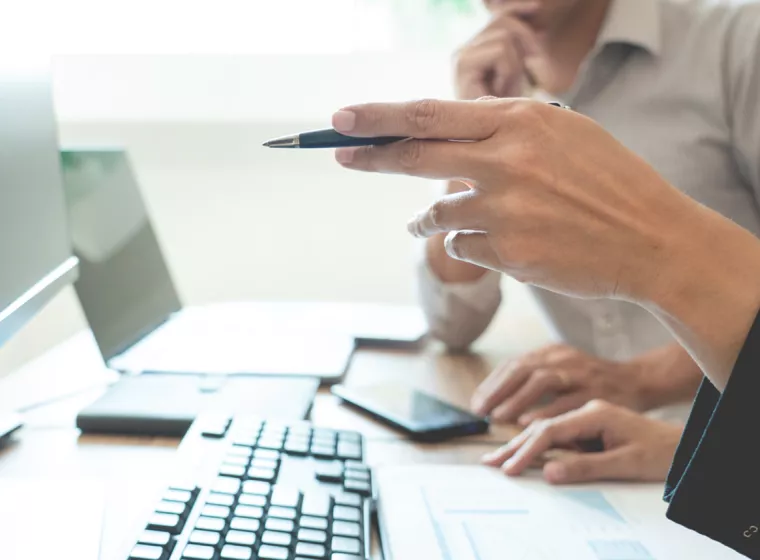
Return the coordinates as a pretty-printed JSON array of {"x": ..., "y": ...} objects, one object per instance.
[
  {"x": 348, "y": 499},
  {"x": 297, "y": 447},
  {"x": 323, "y": 451},
  {"x": 340, "y": 556},
  {"x": 319, "y": 433},
  {"x": 245, "y": 524},
  {"x": 265, "y": 463},
  {"x": 268, "y": 552},
  {"x": 205, "y": 537},
  {"x": 282, "y": 525},
  {"x": 316, "y": 504},
  {"x": 267, "y": 454},
  {"x": 235, "y": 471},
  {"x": 176, "y": 508},
  {"x": 185, "y": 487},
  {"x": 346, "y": 529},
  {"x": 312, "y": 535},
  {"x": 271, "y": 443},
  {"x": 252, "y": 512},
  {"x": 347, "y": 450},
  {"x": 285, "y": 496},
  {"x": 353, "y": 437},
  {"x": 145, "y": 552},
  {"x": 240, "y": 451},
  {"x": 358, "y": 475},
  {"x": 302, "y": 428},
  {"x": 220, "y": 499},
  {"x": 358, "y": 486},
  {"x": 282, "y": 513},
  {"x": 157, "y": 538},
  {"x": 167, "y": 522},
  {"x": 267, "y": 475},
  {"x": 257, "y": 487},
  {"x": 198, "y": 552},
  {"x": 243, "y": 538},
  {"x": 210, "y": 524},
  {"x": 349, "y": 546},
  {"x": 231, "y": 552},
  {"x": 222, "y": 512},
  {"x": 182, "y": 496},
  {"x": 355, "y": 465},
  {"x": 241, "y": 460},
  {"x": 252, "y": 500},
  {"x": 329, "y": 471},
  {"x": 343, "y": 513},
  {"x": 311, "y": 550},
  {"x": 245, "y": 440},
  {"x": 276, "y": 538},
  {"x": 226, "y": 485},
  {"x": 328, "y": 441},
  {"x": 313, "y": 522}
]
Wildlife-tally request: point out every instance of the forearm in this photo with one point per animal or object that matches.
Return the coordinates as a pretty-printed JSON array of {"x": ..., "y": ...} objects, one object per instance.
[{"x": 708, "y": 292}]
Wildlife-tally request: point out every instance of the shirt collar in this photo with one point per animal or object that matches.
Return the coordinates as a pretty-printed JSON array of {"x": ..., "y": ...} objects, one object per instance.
[{"x": 633, "y": 22}]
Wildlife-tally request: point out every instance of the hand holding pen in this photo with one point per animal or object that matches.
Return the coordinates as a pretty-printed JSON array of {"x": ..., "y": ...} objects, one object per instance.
[{"x": 543, "y": 206}]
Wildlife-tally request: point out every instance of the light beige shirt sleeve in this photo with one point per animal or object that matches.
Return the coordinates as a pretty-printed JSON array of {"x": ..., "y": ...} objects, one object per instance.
[
  {"x": 458, "y": 313},
  {"x": 742, "y": 68}
]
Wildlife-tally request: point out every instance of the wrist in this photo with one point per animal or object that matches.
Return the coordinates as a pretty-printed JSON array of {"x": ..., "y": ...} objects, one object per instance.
[{"x": 707, "y": 290}]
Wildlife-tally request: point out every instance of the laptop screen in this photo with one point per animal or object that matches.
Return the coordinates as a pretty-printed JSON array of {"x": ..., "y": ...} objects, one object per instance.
[{"x": 124, "y": 286}]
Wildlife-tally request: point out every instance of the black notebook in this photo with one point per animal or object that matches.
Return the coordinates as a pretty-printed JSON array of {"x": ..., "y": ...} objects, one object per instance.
[{"x": 166, "y": 404}]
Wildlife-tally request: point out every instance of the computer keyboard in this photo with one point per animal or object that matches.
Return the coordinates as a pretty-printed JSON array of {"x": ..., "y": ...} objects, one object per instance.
[{"x": 264, "y": 491}]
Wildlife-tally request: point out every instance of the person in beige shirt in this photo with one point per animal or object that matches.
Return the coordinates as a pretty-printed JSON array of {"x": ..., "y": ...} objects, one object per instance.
[{"x": 675, "y": 81}]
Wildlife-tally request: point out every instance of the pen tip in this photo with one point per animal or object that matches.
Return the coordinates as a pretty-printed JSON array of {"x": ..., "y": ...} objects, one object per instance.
[{"x": 267, "y": 144}]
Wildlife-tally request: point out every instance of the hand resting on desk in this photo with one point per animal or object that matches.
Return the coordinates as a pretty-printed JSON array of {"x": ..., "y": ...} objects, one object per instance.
[
  {"x": 512, "y": 392},
  {"x": 635, "y": 447}
]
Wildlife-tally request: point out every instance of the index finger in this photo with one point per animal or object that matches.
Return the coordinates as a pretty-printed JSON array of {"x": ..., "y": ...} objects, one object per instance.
[{"x": 423, "y": 119}]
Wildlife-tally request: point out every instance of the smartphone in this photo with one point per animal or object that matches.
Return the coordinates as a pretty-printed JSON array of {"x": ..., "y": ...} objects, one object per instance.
[{"x": 421, "y": 416}]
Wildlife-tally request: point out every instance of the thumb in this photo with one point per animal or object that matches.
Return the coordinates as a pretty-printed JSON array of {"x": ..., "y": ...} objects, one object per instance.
[{"x": 588, "y": 467}]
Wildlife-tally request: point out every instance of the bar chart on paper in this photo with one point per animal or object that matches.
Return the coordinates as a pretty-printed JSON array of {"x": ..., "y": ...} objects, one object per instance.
[{"x": 473, "y": 513}]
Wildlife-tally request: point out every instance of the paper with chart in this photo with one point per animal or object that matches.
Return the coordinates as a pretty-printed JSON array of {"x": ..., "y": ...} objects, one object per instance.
[{"x": 475, "y": 513}]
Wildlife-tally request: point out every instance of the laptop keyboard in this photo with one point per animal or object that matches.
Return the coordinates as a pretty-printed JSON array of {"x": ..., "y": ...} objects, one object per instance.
[{"x": 279, "y": 492}]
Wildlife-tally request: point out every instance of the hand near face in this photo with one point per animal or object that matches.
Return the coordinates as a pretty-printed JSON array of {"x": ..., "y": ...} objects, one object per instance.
[{"x": 501, "y": 60}]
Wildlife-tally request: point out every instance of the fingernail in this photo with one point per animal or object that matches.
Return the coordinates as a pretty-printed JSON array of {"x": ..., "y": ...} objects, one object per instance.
[
  {"x": 344, "y": 156},
  {"x": 525, "y": 420},
  {"x": 344, "y": 121},
  {"x": 448, "y": 243},
  {"x": 555, "y": 472}
]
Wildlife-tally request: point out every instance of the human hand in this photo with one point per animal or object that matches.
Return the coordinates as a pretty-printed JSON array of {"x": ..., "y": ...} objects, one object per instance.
[
  {"x": 555, "y": 200},
  {"x": 501, "y": 59},
  {"x": 573, "y": 377},
  {"x": 635, "y": 447}
]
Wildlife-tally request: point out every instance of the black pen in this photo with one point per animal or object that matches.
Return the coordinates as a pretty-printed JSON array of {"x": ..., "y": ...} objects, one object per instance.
[{"x": 330, "y": 138}]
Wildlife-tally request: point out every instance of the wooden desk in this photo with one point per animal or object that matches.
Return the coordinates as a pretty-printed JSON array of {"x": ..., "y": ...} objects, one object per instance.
[{"x": 135, "y": 468}]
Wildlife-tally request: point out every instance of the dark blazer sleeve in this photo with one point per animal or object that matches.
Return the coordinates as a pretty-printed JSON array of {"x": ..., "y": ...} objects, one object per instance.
[{"x": 714, "y": 483}]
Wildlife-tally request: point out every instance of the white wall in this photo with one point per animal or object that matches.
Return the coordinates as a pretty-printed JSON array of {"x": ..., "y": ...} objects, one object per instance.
[{"x": 238, "y": 221}]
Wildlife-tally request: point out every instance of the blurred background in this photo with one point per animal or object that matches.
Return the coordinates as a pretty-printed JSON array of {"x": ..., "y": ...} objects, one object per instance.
[{"x": 192, "y": 88}]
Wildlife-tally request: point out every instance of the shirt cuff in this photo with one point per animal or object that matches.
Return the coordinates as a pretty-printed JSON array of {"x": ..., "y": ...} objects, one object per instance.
[
  {"x": 714, "y": 484},
  {"x": 482, "y": 295}
]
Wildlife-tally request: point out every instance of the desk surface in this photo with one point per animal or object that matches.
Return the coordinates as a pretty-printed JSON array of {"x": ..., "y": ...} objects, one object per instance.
[{"x": 137, "y": 467}]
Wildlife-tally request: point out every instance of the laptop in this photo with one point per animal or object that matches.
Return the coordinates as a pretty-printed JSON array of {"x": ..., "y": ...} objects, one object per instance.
[{"x": 132, "y": 305}]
